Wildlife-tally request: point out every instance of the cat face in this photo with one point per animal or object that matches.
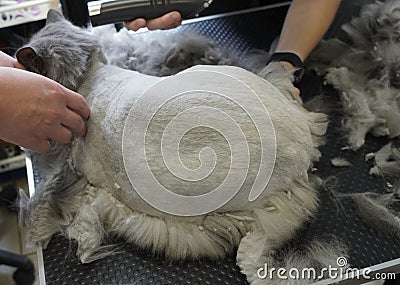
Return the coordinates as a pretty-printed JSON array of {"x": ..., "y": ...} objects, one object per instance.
[{"x": 60, "y": 51}]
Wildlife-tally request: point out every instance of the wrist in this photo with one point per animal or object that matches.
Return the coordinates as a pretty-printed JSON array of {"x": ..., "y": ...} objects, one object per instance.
[
  {"x": 289, "y": 57},
  {"x": 292, "y": 61}
]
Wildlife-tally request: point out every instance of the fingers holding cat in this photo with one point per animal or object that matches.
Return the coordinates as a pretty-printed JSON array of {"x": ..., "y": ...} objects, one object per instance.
[
  {"x": 167, "y": 21},
  {"x": 71, "y": 119},
  {"x": 77, "y": 109},
  {"x": 8, "y": 61},
  {"x": 34, "y": 109}
]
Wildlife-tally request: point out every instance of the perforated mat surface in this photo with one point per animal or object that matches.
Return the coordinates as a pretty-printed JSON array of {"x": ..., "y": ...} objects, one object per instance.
[{"x": 133, "y": 266}]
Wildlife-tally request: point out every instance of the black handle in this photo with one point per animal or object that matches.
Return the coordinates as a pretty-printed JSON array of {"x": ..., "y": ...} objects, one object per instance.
[
  {"x": 76, "y": 11},
  {"x": 107, "y": 12}
]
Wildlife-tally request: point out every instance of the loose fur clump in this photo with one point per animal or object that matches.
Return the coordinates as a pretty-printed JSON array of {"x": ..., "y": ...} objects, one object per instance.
[
  {"x": 379, "y": 211},
  {"x": 86, "y": 193},
  {"x": 161, "y": 53},
  {"x": 319, "y": 254},
  {"x": 340, "y": 162},
  {"x": 302, "y": 265},
  {"x": 366, "y": 72},
  {"x": 375, "y": 210},
  {"x": 387, "y": 161}
]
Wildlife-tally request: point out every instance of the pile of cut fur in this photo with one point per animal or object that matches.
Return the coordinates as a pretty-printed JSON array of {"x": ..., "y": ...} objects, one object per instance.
[
  {"x": 163, "y": 53},
  {"x": 366, "y": 71}
]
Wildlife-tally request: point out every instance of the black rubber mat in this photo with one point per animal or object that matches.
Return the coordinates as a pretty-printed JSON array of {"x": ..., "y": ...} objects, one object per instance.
[{"x": 132, "y": 266}]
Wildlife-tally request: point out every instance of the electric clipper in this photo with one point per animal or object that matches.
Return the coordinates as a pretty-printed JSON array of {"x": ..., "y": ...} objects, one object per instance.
[{"x": 111, "y": 11}]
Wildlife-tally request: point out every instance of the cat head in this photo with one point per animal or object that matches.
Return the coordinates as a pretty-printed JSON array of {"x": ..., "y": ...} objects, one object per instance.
[{"x": 60, "y": 51}]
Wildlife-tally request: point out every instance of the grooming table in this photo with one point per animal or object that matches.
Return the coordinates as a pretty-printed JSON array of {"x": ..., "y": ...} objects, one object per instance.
[{"x": 130, "y": 265}]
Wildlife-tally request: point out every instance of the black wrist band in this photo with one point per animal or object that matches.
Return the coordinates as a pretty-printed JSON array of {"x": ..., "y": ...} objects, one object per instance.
[
  {"x": 293, "y": 59},
  {"x": 290, "y": 57}
]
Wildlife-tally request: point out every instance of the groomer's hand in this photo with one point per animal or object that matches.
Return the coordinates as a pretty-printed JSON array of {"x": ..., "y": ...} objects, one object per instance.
[
  {"x": 8, "y": 61},
  {"x": 290, "y": 66},
  {"x": 167, "y": 21},
  {"x": 34, "y": 109}
]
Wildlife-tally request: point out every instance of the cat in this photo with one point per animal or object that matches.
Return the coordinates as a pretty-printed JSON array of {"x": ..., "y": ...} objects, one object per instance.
[{"x": 91, "y": 190}]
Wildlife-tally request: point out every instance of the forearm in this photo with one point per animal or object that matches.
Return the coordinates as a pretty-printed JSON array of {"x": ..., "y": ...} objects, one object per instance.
[{"x": 306, "y": 23}]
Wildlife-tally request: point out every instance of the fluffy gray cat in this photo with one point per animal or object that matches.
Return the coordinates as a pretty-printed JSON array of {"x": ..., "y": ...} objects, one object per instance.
[{"x": 92, "y": 189}]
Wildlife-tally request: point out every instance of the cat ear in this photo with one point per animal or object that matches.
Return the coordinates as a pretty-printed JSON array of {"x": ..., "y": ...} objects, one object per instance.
[
  {"x": 28, "y": 57},
  {"x": 54, "y": 16}
]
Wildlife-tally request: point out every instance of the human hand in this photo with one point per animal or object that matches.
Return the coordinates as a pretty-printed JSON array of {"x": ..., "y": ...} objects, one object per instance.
[
  {"x": 34, "y": 109},
  {"x": 8, "y": 61},
  {"x": 167, "y": 21},
  {"x": 289, "y": 66},
  {"x": 281, "y": 77}
]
